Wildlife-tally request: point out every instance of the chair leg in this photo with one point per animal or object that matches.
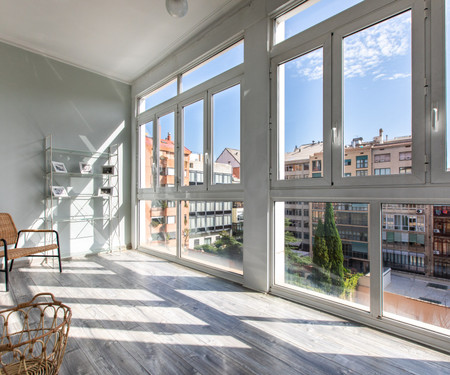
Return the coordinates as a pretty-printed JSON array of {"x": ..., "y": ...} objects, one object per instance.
[
  {"x": 11, "y": 265},
  {"x": 59, "y": 252},
  {"x": 5, "y": 252}
]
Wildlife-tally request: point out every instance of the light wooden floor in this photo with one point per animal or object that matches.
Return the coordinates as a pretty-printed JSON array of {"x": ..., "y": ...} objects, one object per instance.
[{"x": 136, "y": 314}]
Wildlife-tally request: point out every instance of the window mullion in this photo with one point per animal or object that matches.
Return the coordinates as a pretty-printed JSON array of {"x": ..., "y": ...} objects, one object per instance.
[{"x": 376, "y": 270}]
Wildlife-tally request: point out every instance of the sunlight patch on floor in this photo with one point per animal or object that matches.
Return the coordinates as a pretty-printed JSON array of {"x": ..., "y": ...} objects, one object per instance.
[
  {"x": 157, "y": 338},
  {"x": 94, "y": 292}
]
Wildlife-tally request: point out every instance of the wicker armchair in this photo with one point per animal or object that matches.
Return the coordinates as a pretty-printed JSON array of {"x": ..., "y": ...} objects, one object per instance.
[{"x": 10, "y": 236}]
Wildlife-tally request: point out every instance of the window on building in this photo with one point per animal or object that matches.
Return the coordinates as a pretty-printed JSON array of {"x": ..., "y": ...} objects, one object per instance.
[
  {"x": 362, "y": 173},
  {"x": 317, "y": 165},
  {"x": 382, "y": 158},
  {"x": 405, "y": 155},
  {"x": 362, "y": 161},
  {"x": 405, "y": 170},
  {"x": 382, "y": 171},
  {"x": 347, "y": 162}
]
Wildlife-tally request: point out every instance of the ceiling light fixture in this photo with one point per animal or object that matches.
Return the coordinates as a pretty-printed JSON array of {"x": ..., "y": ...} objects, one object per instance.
[{"x": 177, "y": 8}]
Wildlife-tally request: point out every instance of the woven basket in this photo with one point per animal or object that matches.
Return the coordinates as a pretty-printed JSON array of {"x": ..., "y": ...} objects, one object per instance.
[{"x": 34, "y": 336}]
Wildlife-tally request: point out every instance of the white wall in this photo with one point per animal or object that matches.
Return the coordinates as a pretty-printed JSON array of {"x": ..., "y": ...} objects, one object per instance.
[{"x": 82, "y": 110}]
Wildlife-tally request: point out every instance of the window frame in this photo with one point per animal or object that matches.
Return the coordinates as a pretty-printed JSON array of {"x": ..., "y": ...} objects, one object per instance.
[
  {"x": 417, "y": 94},
  {"x": 438, "y": 94},
  {"x": 193, "y": 99},
  {"x": 323, "y": 41}
]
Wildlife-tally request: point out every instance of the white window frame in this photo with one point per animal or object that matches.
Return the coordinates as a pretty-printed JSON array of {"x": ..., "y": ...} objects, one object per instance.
[
  {"x": 181, "y": 106},
  {"x": 209, "y": 181},
  {"x": 277, "y": 114},
  {"x": 417, "y": 88},
  {"x": 437, "y": 108}
]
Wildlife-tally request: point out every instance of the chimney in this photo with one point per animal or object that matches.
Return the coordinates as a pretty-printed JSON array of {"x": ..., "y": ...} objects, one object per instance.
[
  {"x": 381, "y": 135},
  {"x": 169, "y": 136}
]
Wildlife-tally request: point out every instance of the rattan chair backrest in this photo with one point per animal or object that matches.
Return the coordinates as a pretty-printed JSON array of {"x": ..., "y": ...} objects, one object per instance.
[{"x": 8, "y": 230}]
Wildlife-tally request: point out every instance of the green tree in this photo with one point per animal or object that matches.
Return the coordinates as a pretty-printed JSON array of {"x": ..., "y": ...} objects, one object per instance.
[
  {"x": 334, "y": 247},
  {"x": 229, "y": 245},
  {"x": 321, "y": 270}
]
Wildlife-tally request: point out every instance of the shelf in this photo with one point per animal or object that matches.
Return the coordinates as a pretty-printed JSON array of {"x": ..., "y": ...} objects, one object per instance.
[
  {"x": 81, "y": 219},
  {"x": 85, "y": 197},
  {"x": 81, "y": 153},
  {"x": 83, "y": 175}
]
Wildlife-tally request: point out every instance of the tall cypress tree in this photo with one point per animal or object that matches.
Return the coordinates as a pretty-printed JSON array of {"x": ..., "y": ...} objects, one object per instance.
[
  {"x": 321, "y": 270},
  {"x": 334, "y": 247}
]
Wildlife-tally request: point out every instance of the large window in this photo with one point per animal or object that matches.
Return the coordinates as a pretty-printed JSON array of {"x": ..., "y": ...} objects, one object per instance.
[
  {"x": 300, "y": 116},
  {"x": 332, "y": 260},
  {"x": 372, "y": 112},
  {"x": 193, "y": 136},
  {"x": 214, "y": 234},
  {"x": 377, "y": 86},
  {"x": 158, "y": 226},
  {"x": 226, "y": 108},
  {"x": 415, "y": 261},
  {"x": 190, "y": 142}
]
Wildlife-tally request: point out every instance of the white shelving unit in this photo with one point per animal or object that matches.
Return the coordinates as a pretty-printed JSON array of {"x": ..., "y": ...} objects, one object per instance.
[{"x": 83, "y": 198}]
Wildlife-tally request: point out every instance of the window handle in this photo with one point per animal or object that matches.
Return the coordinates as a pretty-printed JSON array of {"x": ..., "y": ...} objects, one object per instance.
[
  {"x": 434, "y": 118},
  {"x": 333, "y": 134}
]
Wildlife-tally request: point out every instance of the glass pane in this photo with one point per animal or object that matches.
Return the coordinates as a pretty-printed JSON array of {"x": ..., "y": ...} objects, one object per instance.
[
  {"x": 193, "y": 143},
  {"x": 447, "y": 75},
  {"x": 158, "y": 96},
  {"x": 214, "y": 233},
  {"x": 166, "y": 128},
  {"x": 227, "y": 136},
  {"x": 218, "y": 64},
  {"x": 416, "y": 264},
  {"x": 146, "y": 157},
  {"x": 308, "y": 14},
  {"x": 300, "y": 117},
  {"x": 160, "y": 230},
  {"x": 323, "y": 248},
  {"x": 377, "y": 98}
]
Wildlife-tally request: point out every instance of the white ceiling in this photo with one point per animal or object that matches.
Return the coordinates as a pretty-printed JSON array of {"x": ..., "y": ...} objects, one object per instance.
[{"x": 120, "y": 39}]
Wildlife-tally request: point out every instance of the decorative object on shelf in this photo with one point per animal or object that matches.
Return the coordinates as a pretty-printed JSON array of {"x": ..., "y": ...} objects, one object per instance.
[
  {"x": 59, "y": 191},
  {"x": 34, "y": 336},
  {"x": 85, "y": 168},
  {"x": 105, "y": 190},
  {"x": 108, "y": 169},
  {"x": 59, "y": 167},
  {"x": 10, "y": 236},
  {"x": 177, "y": 8}
]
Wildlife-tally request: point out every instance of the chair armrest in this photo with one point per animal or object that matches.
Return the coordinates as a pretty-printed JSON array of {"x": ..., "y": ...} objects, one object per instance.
[{"x": 37, "y": 230}]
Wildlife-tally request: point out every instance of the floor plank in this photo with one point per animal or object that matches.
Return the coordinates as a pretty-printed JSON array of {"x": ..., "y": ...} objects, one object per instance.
[{"x": 137, "y": 314}]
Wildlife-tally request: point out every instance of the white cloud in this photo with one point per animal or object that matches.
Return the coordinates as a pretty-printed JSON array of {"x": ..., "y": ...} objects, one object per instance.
[{"x": 365, "y": 53}]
